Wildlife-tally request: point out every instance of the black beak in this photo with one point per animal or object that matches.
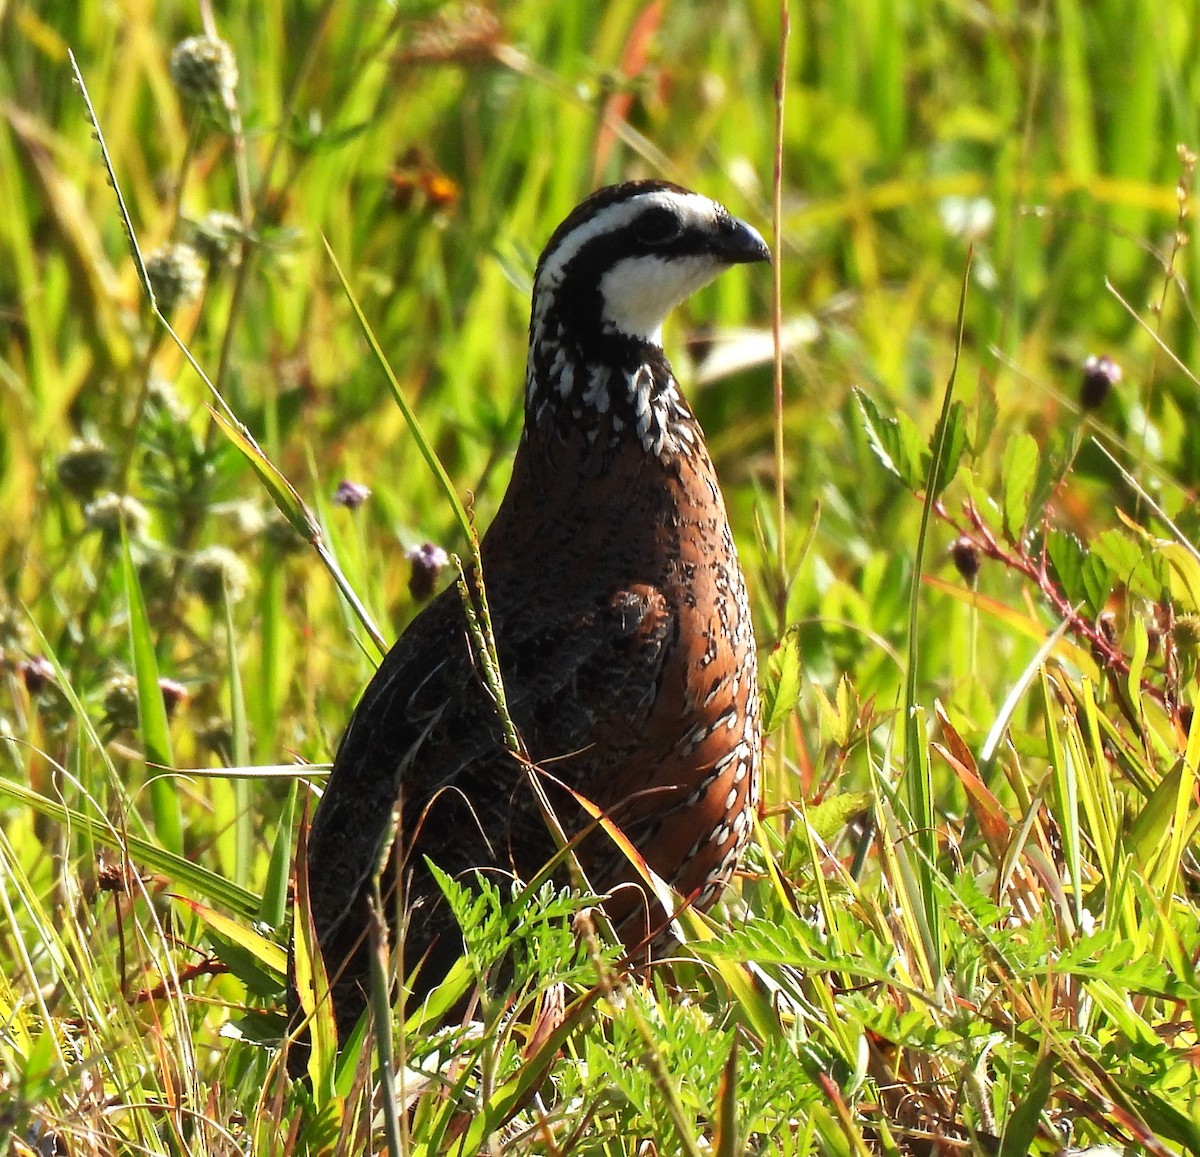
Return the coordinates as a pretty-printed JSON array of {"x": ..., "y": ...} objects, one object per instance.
[{"x": 739, "y": 243}]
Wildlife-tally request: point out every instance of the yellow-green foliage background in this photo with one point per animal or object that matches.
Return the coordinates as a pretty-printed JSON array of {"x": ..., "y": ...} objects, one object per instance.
[{"x": 1011, "y": 961}]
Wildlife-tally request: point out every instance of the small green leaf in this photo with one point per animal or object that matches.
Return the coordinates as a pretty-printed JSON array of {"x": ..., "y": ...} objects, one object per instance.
[
  {"x": 833, "y": 813},
  {"x": 1184, "y": 572},
  {"x": 837, "y": 715},
  {"x": 984, "y": 503},
  {"x": 986, "y": 412},
  {"x": 1132, "y": 562},
  {"x": 1081, "y": 573},
  {"x": 895, "y": 441},
  {"x": 1067, "y": 556},
  {"x": 1020, "y": 469},
  {"x": 1097, "y": 582},
  {"x": 781, "y": 681},
  {"x": 952, "y": 443},
  {"x": 914, "y": 457},
  {"x": 40, "y": 1069},
  {"x": 1057, "y": 457},
  {"x": 1138, "y": 655}
]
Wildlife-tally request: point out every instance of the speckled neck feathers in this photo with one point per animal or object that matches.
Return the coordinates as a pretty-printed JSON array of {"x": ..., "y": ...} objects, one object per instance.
[{"x": 619, "y": 388}]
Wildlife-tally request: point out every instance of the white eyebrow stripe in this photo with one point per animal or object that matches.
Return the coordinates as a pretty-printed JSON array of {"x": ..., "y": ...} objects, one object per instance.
[{"x": 693, "y": 208}]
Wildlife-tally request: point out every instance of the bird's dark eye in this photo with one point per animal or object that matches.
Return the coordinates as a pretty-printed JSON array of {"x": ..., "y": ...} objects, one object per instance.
[{"x": 656, "y": 226}]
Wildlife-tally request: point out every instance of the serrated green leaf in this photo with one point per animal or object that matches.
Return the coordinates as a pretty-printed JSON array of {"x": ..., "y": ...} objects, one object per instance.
[
  {"x": 1122, "y": 553},
  {"x": 833, "y": 813},
  {"x": 1132, "y": 562},
  {"x": 953, "y": 442},
  {"x": 915, "y": 457},
  {"x": 1055, "y": 461},
  {"x": 895, "y": 441},
  {"x": 1020, "y": 468},
  {"x": 1097, "y": 582},
  {"x": 781, "y": 681},
  {"x": 1066, "y": 556},
  {"x": 1082, "y": 574},
  {"x": 986, "y": 412}
]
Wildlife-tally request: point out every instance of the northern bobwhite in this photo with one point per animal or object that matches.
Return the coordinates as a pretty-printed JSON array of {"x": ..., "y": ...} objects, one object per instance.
[{"x": 620, "y": 618}]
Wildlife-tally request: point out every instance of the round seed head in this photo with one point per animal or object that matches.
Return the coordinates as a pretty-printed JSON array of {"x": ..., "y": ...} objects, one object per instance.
[
  {"x": 205, "y": 71},
  {"x": 162, "y": 396},
  {"x": 109, "y": 511},
  {"x": 216, "y": 735},
  {"x": 459, "y": 33},
  {"x": 217, "y": 237},
  {"x": 176, "y": 275},
  {"x": 156, "y": 573},
  {"x": 218, "y": 576},
  {"x": 84, "y": 467},
  {"x": 1186, "y": 634},
  {"x": 281, "y": 535},
  {"x": 121, "y": 702},
  {"x": 248, "y": 518}
]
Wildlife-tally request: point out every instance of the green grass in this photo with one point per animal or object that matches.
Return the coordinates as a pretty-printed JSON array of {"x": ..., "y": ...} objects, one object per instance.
[{"x": 971, "y": 911}]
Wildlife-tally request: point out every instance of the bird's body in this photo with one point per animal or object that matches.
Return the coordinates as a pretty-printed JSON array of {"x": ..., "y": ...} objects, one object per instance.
[{"x": 620, "y": 617}]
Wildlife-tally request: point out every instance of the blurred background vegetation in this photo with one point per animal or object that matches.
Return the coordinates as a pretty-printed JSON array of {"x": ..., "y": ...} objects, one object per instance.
[{"x": 974, "y": 932}]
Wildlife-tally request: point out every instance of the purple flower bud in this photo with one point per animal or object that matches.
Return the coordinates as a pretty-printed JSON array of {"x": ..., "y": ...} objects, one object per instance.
[
  {"x": 427, "y": 563},
  {"x": 351, "y": 495},
  {"x": 1100, "y": 374}
]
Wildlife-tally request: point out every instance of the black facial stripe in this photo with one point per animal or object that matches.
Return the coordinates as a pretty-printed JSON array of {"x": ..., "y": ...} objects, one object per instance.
[{"x": 600, "y": 200}]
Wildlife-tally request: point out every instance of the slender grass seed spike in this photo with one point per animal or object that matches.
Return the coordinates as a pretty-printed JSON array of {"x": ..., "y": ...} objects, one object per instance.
[{"x": 620, "y": 617}]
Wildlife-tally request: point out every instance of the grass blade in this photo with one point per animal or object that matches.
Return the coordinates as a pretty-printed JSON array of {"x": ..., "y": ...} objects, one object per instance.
[{"x": 152, "y": 712}]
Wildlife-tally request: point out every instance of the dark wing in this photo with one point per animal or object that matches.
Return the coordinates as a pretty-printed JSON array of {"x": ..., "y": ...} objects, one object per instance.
[
  {"x": 426, "y": 724},
  {"x": 426, "y": 733}
]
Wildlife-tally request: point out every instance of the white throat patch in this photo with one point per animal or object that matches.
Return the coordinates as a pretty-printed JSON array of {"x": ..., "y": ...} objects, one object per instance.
[{"x": 639, "y": 292}]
